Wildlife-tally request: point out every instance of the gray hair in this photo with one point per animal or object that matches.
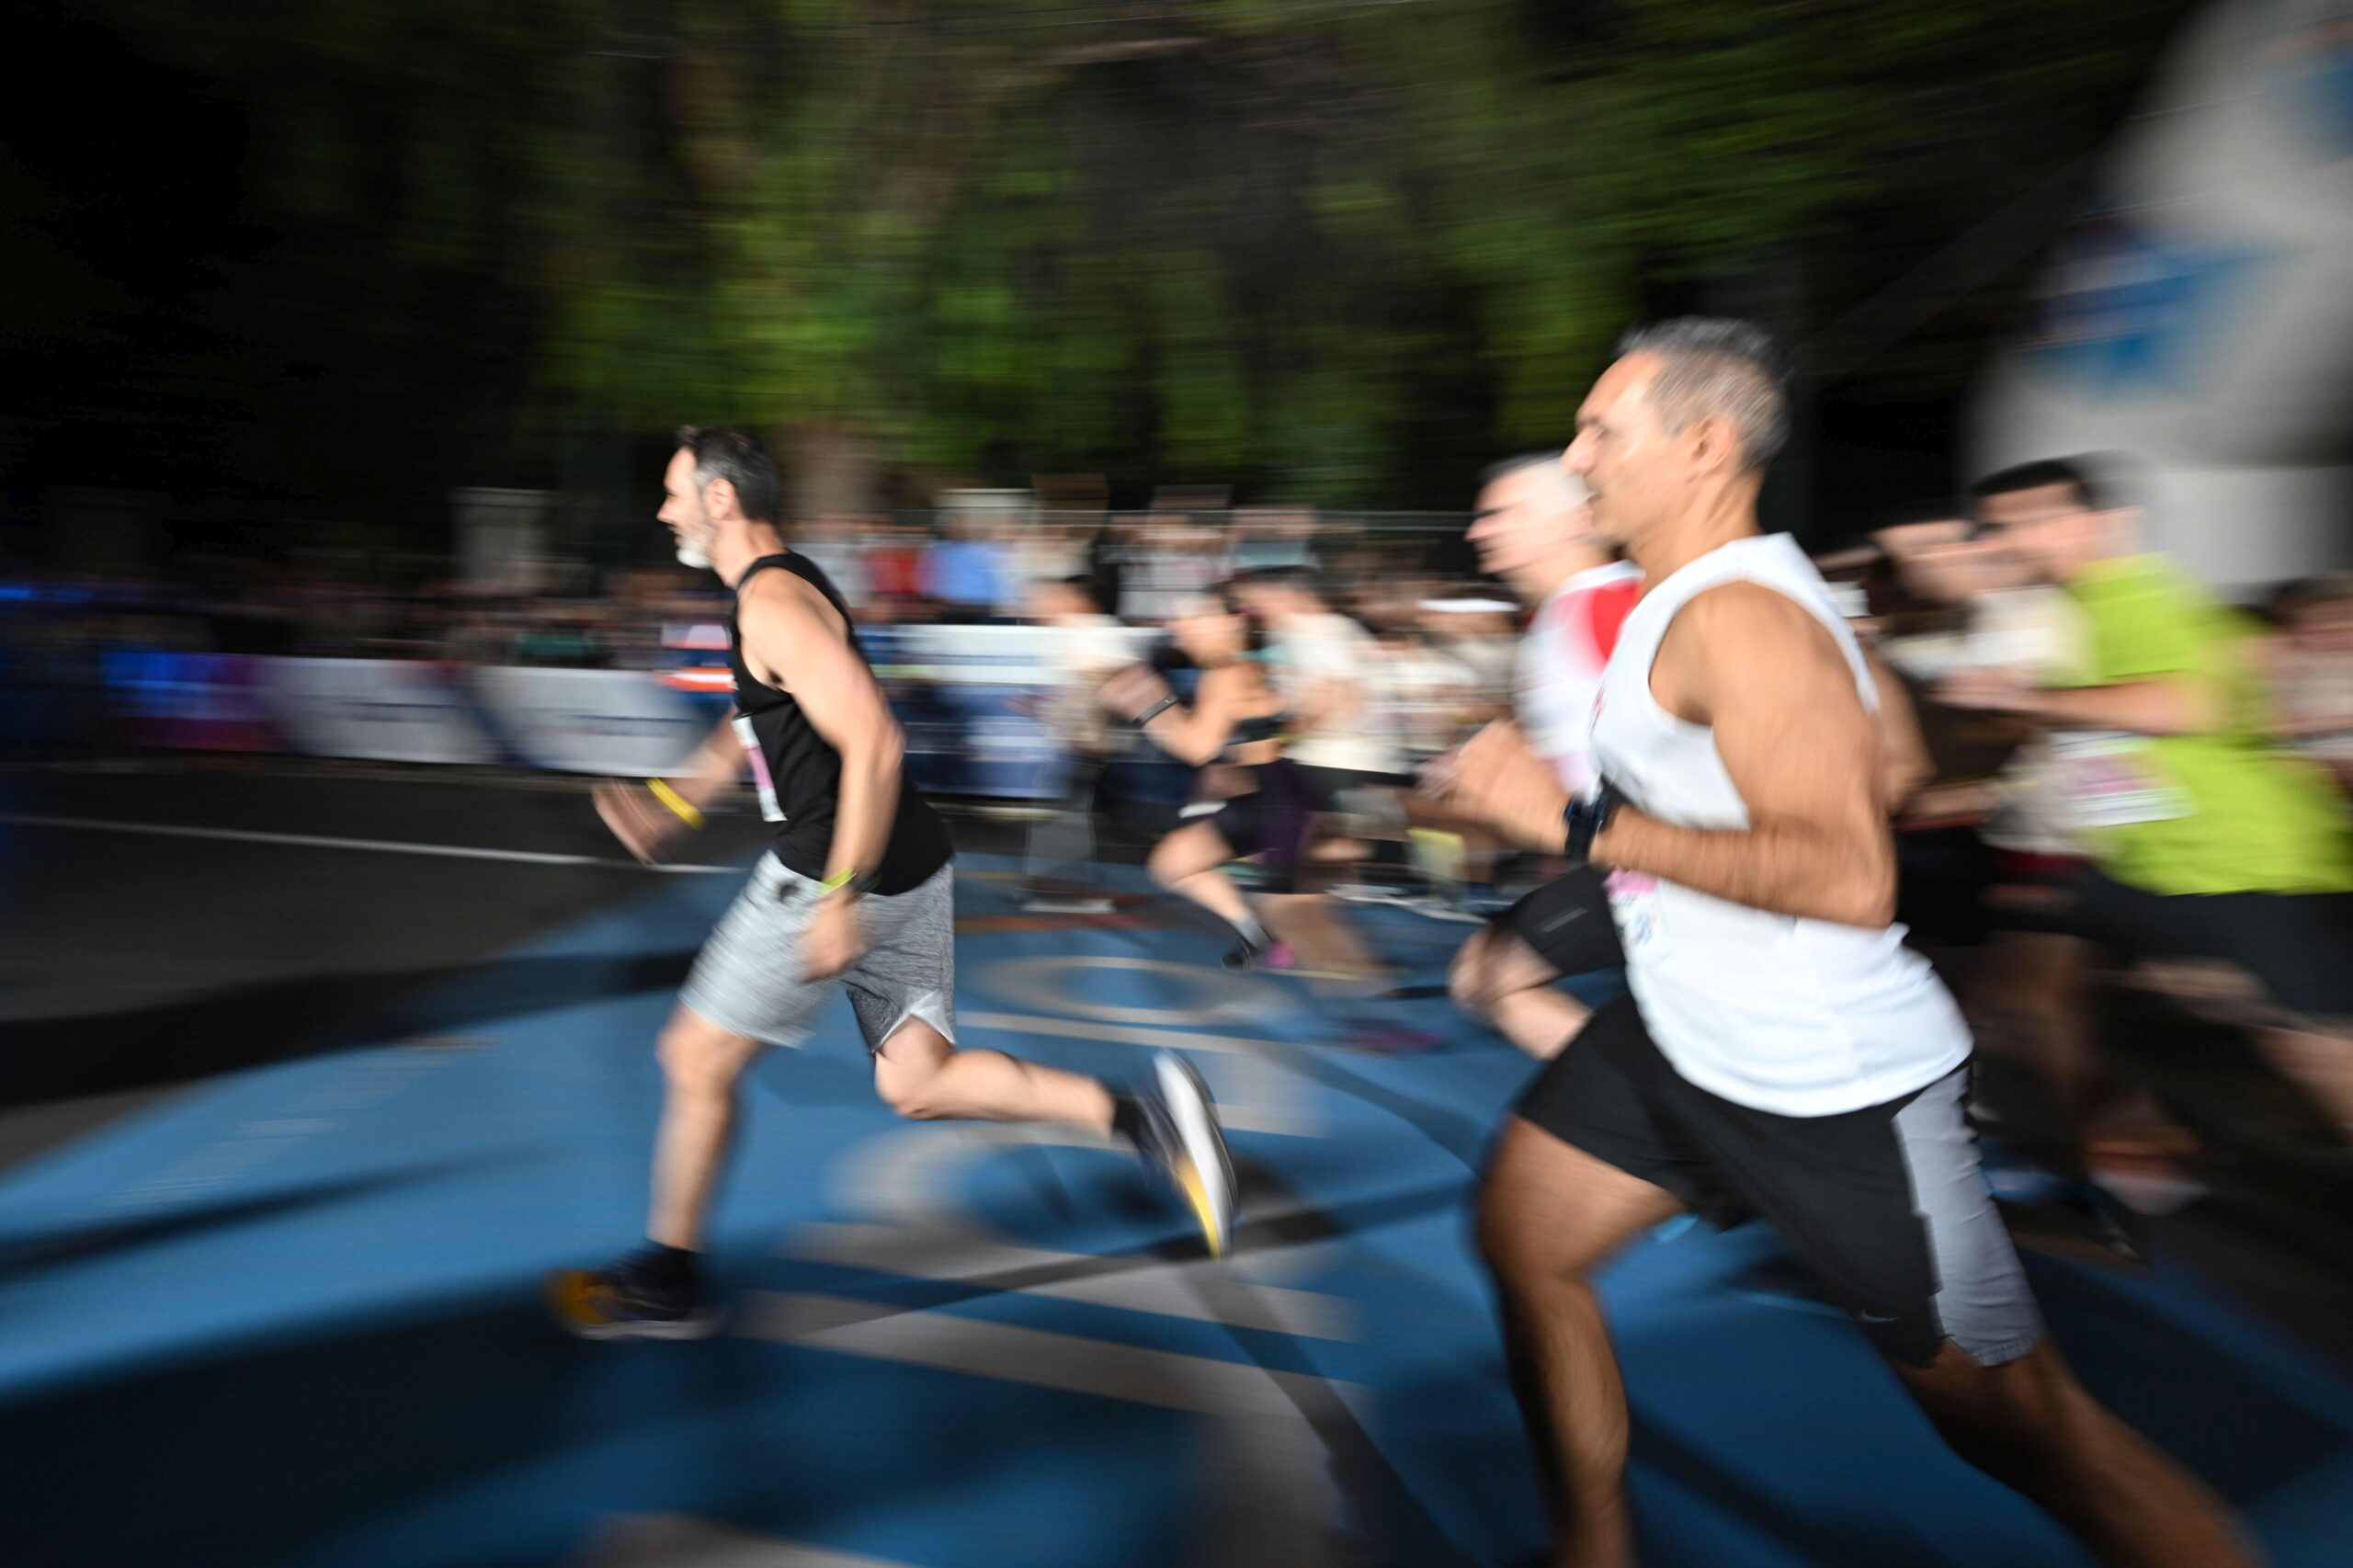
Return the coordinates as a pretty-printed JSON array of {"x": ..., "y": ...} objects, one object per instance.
[{"x": 1717, "y": 367}]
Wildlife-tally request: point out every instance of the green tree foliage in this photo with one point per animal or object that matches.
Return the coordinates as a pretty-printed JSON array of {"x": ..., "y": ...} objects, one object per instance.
[{"x": 1281, "y": 241}]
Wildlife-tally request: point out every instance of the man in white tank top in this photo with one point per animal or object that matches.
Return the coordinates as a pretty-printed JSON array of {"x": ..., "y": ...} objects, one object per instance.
[
  {"x": 1782, "y": 1055},
  {"x": 1534, "y": 529}
]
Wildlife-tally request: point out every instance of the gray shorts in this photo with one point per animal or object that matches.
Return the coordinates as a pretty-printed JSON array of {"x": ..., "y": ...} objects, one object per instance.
[{"x": 748, "y": 978}]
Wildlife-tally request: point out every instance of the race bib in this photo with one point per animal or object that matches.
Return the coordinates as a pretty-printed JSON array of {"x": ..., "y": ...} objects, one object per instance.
[
  {"x": 760, "y": 779},
  {"x": 1633, "y": 901},
  {"x": 2106, "y": 779}
]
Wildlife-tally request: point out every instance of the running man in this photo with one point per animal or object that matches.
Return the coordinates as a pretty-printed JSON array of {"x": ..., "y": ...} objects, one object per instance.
[
  {"x": 858, "y": 885},
  {"x": 2206, "y": 839},
  {"x": 1534, "y": 529},
  {"x": 1782, "y": 1052}
]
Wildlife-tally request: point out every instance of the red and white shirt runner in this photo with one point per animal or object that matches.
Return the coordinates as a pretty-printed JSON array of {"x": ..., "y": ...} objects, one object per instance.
[{"x": 1561, "y": 656}]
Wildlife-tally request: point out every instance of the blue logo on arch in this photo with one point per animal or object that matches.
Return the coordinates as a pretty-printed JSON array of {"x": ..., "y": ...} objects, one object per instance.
[{"x": 2129, "y": 311}]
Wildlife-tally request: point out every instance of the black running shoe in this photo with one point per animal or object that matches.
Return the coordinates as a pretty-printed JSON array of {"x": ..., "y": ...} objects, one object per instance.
[
  {"x": 1180, "y": 1135},
  {"x": 624, "y": 1301},
  {"x": 1246, "y": 954}
]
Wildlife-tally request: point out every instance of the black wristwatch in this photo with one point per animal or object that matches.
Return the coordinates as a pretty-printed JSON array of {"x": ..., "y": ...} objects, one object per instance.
[{"x": 1586, "y": 816}]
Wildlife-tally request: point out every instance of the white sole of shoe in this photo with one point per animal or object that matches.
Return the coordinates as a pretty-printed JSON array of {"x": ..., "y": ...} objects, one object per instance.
[{"x": 1189, "y": 1104}]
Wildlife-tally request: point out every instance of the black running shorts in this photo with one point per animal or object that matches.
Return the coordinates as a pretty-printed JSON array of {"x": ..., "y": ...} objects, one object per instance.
[
  {"x": 1567, "y": 924},
  {"x": 1885, "y": 1205},
  {"x": 2298, "y": 945}
]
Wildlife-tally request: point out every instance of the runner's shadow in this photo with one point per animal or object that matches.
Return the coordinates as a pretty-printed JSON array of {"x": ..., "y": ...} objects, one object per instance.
[
  {"x": 1464, "y": 1137},
  {"x": 180, "y": 1041},
  {"x": 1392, "y": 1522},
  {"x": 22, "y": 1255},
  {"x": 263, "y": 1451},
  {"x": 1809, "y": 1537}
]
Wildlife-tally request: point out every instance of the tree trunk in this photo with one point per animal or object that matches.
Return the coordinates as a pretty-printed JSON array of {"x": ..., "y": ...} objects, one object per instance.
[{"x": 831, "y": 470}]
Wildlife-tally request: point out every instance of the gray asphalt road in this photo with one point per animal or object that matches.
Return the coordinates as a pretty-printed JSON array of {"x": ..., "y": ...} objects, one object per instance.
[{"x": 135, "y": 959}]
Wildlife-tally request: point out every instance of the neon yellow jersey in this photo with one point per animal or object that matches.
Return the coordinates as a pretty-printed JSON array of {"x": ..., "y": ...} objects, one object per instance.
[{"x": 2222, "y": 811}]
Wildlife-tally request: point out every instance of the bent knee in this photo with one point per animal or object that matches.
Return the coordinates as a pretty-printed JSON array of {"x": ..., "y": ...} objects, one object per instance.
[
  {"x": 1471, "y": 979},
  {"x": 1187, "y": 852},
  {"x": 909, "y": 1089},
  {"x": 698, "y": 1056}
]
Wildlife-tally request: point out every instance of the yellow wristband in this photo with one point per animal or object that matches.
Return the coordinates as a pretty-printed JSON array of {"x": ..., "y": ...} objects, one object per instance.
[
  {"x": 847, "y": 876},
  {"x": 678, "y": 804}
]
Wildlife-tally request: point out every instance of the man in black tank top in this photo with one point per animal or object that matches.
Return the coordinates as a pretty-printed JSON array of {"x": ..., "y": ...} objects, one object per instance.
[{"x": 858, "y": 885}]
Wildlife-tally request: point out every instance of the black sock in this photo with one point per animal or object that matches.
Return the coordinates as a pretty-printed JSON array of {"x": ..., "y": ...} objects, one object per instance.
[
  {"x": 1127, "y": 1118},
  {"x": 1253, "y": 934},
  {"x": 668, "y": 1266}
]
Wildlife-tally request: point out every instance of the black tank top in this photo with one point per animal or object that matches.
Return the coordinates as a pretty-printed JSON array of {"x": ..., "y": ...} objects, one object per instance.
[{"x": 799, "y": 776}]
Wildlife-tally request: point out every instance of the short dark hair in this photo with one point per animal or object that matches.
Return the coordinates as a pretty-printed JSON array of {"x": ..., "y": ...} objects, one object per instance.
[
  {"x": 2084, "y": 476},
  {"x": 734, "y": 454},
  {"x": 1913, "y": 512},
  {"x": 1254, "y": 636},
  {"x": 1720, "y": 368},
  {"x": 1085, "y": 585}
]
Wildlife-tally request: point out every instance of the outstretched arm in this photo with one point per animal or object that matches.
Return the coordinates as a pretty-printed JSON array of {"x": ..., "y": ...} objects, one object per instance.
[
  {"x": 1194, "y": 735},
  {"x": 647, "y": 819},
  {"x": 2173, "y": 705}
]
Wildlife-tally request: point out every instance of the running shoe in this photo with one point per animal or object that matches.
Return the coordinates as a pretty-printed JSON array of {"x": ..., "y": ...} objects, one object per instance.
[
  {"x": 1180, "y": 1135},
  {"x": 623, "y": 1300},
  {"x": 1062, "y": 903},
  {"x": 1370, "y": 892},
  {"x": 1246, "y": 955}
]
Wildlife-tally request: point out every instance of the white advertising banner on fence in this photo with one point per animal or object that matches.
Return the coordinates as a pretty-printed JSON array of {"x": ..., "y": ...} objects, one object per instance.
[
  {"x": 621, "y": 722},
  {"x": 379, "y": 709}
]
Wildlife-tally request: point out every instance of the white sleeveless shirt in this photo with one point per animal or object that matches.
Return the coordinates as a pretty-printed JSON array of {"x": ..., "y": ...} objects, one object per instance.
[{"x": 1797, "y": 1017}]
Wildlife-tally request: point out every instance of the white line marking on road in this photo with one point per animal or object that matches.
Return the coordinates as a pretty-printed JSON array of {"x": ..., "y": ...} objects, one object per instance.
[
  {"x": 1070, "y": 1362},
  {"x": 381, "y": 845},
  {"x": 1198, "y": 1288},
  {"x": 1269, "y": 1498}
]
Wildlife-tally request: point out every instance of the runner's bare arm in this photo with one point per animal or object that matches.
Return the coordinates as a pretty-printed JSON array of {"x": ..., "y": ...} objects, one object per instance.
[
  {"x": 796, "y": 643},
  {"x": 711, "y": 769},
  {"x": 2175, "y": 705},
  {"x": 650, "y": 817},
  {"x": 1798, "y": 744},
  {"x": 1198, "y": 733},
  {"x": 1905, "y": 766}
]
